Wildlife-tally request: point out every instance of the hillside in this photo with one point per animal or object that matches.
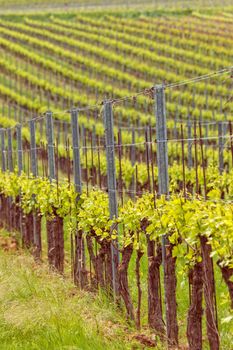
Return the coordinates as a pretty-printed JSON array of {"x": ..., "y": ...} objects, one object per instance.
[
  {"x": 116, "y": 158},
  {"x": 41, "y": 310}
]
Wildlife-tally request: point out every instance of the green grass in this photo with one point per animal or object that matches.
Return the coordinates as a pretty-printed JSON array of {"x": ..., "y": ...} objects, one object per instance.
[
  {"x": 41, "y": 310},
  {"x": 222, "y": 295},
  {"x": 223, "y": 300},
  {"x": 225, "y": 314}
]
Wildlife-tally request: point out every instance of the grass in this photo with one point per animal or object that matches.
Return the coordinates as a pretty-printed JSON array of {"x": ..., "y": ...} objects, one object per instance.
[
  {"x": 225, "y": 314},
  {"x": 41, "y": 310}
]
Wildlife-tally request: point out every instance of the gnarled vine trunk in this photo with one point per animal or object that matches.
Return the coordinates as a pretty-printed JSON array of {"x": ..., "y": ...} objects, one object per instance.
[
  {"x": 227, "y": 274},
  {"x": 137, "y": 270},
  {"x": 18, "y": 214},
  {"x": 123, "y": 280},
  {"x": 92, "y": 256},
  {"x": 80, "y": 272},
  {"x": 104, "y": 259},
  {"x": 209, "y": 293},
  {"x": 155, "y": 316},
  {"x": 108, "y": 267},
  {"x": 101, "y": 262},
  {"x": 100, "y": 258},
  {"x": 194, "y": 325},
  {"x": 10, "y": 213},
  {"x": 37, "y": 235},
  {"x": 55, "y": 240},
  {"x": 170, "y": 295},
  {"x": 3, "y": 211},
  {"x": 27, "y": 230}
]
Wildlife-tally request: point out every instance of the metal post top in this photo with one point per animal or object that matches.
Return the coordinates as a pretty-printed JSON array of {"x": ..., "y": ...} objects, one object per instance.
[
  {"x": 107, "y": 103},
  {"x": 74, "y": 110},
  {"x": 159, "y": 86},
  {"x": 31, "y": 121}
]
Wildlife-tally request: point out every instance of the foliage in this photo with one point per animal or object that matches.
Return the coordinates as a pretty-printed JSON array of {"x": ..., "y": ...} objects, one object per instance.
[{"x": 183, "y": 220}]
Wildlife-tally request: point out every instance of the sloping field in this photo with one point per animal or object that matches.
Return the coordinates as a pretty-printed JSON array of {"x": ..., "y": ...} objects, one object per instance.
[
  {"x": 91, "y": 56},
  {"x": 129, "y": 105},
  {"x": 54, "y": 62},
  {"x": 41, "y": 310}
]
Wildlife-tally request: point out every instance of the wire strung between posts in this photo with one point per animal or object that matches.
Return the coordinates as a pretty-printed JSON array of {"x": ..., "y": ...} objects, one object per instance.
[
  {"x": 6, "y": 151},
  {"x": 147, "y": 91},
  {"x": 122, "y": 125},
  {"x": 58, "y": 121},
  {"x": 150, "y": 91},
  {"x": 202, "y": 122},
  {"x": 178, "y": 121},
  {"x": 63, "y": 112},
  {"x": 195, "y": 139},
  {"x": 144, "y": 143},
  {"x": 200, "y": 78},
  {"x": 116, "y": 145},
  {"x": 26, "y": 122}
]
